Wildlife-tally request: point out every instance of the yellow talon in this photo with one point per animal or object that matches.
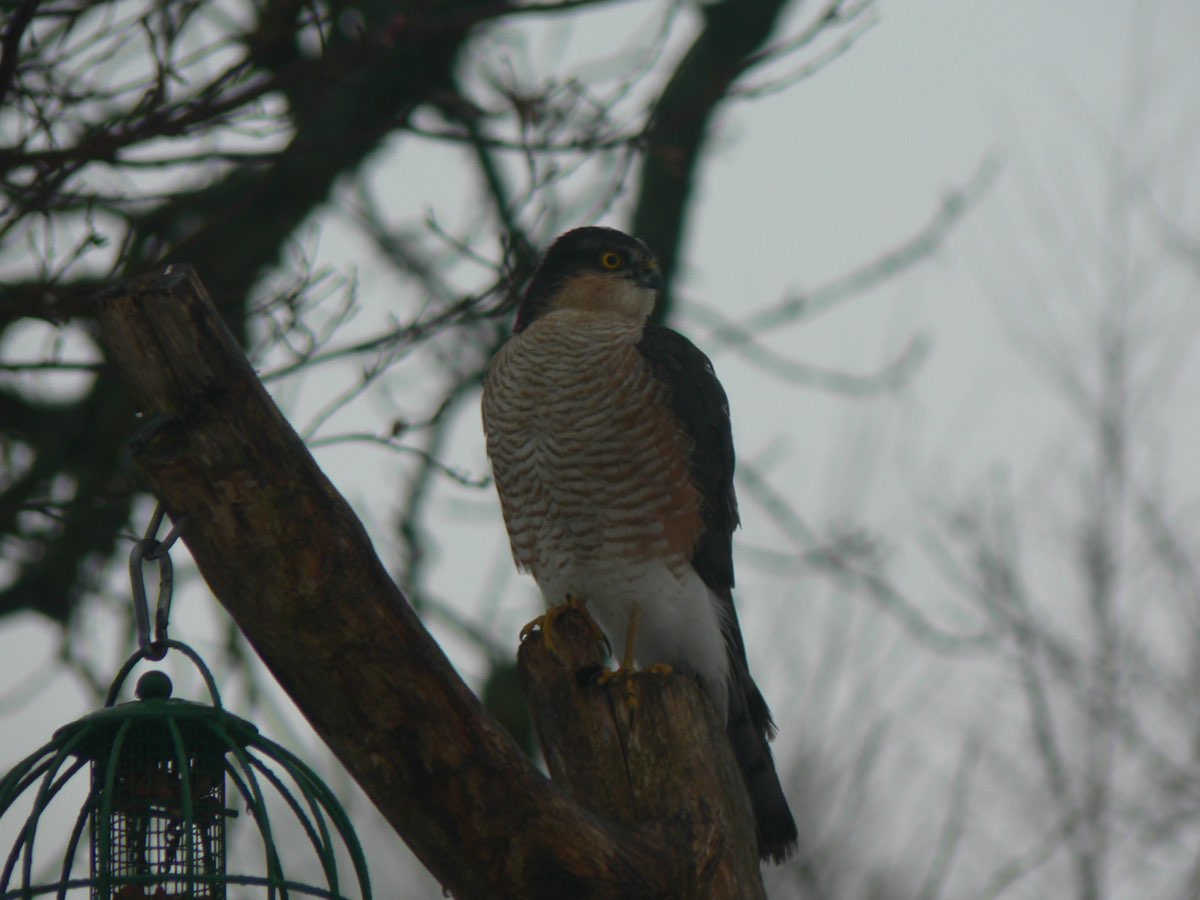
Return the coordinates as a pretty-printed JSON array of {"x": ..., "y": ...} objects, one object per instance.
[
  {"x": 626, "y": 666},
  {"x": 546, "y": 621},
  {"x": 612, "y": 674}
]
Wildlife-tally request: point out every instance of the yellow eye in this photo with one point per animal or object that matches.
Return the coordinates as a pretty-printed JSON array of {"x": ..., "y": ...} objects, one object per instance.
[{"x": 611, "y": 260}]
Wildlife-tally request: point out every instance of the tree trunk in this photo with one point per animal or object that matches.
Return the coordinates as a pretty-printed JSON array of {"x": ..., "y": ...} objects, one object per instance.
[{"x": 656, "y": 811}]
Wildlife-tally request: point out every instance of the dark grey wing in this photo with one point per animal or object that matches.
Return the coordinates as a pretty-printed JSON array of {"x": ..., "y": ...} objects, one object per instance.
[{"x": 698, "y": 401}]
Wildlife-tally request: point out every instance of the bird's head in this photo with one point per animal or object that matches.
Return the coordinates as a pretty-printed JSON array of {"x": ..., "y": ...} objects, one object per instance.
[{"x": 600, "y": 270}]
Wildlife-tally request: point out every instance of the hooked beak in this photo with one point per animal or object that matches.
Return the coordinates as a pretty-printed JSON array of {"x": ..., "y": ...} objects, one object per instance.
[{"x": 649, "y": 276}]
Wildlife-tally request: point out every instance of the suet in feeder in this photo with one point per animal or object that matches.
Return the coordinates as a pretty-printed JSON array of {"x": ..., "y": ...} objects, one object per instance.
[{"x": 155, "y": 810}]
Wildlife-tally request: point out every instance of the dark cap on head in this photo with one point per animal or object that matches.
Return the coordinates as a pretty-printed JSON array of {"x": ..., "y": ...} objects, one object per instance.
[{"x": 591, "y": 249}]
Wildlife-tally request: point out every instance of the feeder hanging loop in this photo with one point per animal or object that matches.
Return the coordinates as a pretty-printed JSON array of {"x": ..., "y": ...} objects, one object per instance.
[{"x": 147, "y": 549}]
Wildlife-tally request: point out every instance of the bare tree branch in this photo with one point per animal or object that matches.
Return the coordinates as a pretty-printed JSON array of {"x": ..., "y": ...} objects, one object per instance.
[{"x": 916, "y": 248}]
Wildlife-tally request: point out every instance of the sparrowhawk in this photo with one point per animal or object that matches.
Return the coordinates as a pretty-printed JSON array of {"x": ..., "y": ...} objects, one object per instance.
[{"x": 612, "y": 451}]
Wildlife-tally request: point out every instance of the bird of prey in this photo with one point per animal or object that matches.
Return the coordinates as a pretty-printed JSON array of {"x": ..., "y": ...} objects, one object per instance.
[{"x": 612, "y": 452}]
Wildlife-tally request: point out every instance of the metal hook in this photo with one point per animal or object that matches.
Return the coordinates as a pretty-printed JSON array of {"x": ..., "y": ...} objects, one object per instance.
[
  {"x": 141, "y": 609},
  {"x": 150, "y": 548}
]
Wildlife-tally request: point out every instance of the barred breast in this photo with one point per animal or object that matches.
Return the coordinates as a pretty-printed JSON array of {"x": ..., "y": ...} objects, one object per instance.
[{"x": 590, "y": 465}]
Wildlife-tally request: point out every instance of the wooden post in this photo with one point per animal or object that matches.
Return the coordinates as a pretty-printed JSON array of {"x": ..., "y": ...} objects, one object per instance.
[{"x": 640, "y": 749}]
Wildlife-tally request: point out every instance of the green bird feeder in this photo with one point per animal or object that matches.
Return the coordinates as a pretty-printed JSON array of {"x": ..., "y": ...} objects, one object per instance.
[{"x": 166, "y": 781}]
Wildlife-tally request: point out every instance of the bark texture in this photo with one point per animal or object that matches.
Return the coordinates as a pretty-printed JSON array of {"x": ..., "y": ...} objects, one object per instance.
[{"x": 642, "y": 749}]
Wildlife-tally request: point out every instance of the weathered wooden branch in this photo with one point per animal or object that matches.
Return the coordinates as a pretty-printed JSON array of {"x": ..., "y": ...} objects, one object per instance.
[
  {"x": 641, "y": 749},
  {"x": 285, "y": 555}
]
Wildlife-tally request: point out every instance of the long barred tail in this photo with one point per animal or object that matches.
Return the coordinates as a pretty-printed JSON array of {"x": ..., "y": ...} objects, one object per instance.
[{"x": 749, "y": 727}]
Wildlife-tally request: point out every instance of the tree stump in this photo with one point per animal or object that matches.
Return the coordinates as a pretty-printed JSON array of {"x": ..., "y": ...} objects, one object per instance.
[{"x": 644, "y": 748}]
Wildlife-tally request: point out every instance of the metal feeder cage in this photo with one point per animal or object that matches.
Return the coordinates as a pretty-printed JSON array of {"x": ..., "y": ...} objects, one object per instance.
[{"x": 156, "y": 811}]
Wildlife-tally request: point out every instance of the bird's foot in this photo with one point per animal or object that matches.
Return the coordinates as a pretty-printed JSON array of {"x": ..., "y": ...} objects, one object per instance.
[
  {"x": 610, "y": 675},
  {"x": 625, "y": 672},
  {"x": 545, "y": 622},
  {"x": 626, "y": 668},
  {"x": 621, "y": 673}
]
